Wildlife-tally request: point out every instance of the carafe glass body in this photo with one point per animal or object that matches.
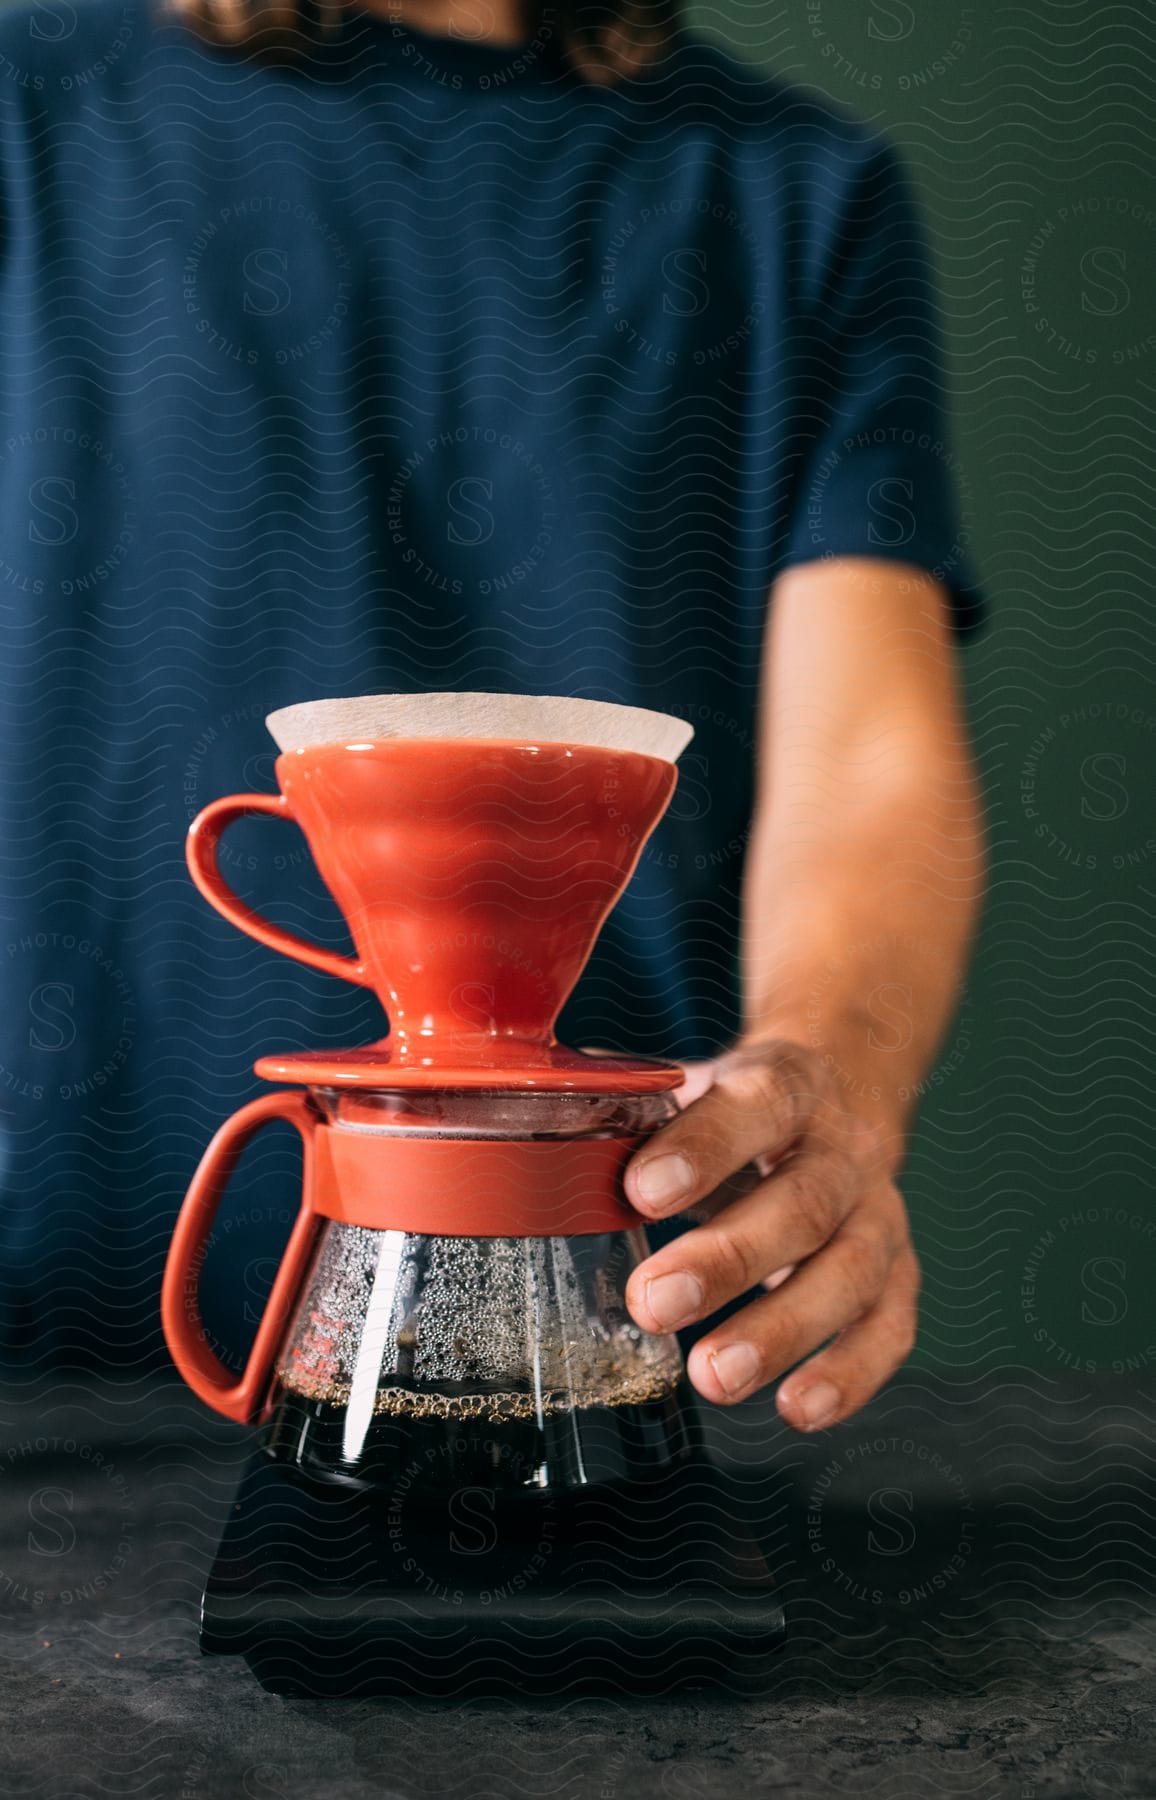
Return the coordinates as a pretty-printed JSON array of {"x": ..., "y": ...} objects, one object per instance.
[{"x": 509, "y": 1362}]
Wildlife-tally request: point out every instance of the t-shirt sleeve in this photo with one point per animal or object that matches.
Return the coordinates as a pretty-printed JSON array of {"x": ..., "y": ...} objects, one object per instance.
[{"x": 877, "y": 476}]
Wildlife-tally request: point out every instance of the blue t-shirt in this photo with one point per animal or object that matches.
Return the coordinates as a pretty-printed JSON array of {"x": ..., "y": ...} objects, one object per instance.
[{"x": 423, "y": 365}]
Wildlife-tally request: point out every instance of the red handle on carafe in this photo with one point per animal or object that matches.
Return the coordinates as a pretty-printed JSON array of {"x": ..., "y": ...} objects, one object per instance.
[
  {"x": 204, "y": 836},
  {"x": 180, "y": 1313}
]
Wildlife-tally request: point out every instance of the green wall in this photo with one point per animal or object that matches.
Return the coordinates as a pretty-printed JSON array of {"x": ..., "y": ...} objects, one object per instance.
[{"x": 1029, "y": 132}]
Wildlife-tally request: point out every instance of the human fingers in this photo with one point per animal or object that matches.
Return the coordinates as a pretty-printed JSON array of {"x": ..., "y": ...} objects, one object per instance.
[
  {"x": 749, "y": 1240},
  {"x": 757, "y": 1106},
  {"x": 831, "y": 1291}
]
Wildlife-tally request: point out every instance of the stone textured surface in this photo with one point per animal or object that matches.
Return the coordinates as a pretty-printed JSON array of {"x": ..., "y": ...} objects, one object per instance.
[{"x": 968, "y": 1574}]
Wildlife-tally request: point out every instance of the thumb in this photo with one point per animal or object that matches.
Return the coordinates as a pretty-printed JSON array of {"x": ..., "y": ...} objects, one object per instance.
[
  {"x": 699, "y": 1079},
  {"x": 699, "y": 1075}
]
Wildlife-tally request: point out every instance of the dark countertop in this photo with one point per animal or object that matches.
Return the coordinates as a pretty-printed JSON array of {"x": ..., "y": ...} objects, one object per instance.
[{"x": 968, "y": 1572}]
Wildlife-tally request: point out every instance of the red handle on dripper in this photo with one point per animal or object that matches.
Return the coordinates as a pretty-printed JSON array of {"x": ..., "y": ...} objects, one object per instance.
[
  {"x": 180, "y": 1310},
  {"x": 201, "y": 847}
]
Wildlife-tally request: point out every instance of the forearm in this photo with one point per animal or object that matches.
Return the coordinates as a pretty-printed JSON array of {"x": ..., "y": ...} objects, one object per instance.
[
  {"x": 860, "y": 954},
  {"x": 864, "y": 878}
]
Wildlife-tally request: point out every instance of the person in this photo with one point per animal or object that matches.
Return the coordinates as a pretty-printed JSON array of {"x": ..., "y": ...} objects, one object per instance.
[{"x": 429, "y": 345}]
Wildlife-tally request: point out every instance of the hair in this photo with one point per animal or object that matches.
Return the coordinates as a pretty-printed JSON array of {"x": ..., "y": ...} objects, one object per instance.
[{"x": 604, "y": 40}]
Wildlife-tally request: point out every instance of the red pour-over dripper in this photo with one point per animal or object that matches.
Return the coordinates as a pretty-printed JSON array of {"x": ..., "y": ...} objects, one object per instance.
[{"x": 474, "y": 872}]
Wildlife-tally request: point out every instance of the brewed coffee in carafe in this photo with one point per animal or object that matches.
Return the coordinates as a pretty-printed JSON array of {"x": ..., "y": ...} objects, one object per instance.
[{"x": 506, "y": 1361}]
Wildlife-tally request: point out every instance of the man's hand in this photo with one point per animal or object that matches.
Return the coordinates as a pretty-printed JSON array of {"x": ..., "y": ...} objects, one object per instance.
[{"x": 818, "y": 1221}]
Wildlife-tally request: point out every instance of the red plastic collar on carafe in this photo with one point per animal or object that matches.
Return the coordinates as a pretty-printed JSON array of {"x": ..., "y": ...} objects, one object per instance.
[{"x": 473, "y": 1187}]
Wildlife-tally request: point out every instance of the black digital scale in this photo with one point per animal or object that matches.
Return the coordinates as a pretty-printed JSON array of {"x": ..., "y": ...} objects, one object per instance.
[{"x": 325, "y": 1590}]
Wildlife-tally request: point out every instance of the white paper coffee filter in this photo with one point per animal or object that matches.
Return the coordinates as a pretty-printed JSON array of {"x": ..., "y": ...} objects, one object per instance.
[{"x": 526, "y": 718}]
